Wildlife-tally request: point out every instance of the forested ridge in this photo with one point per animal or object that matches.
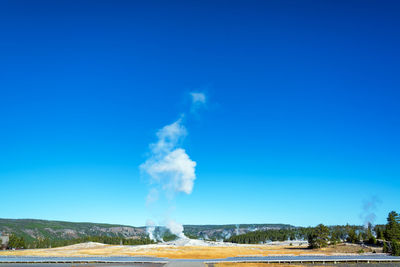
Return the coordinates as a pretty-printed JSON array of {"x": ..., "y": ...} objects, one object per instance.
[
  {"x": 387, "y": 235},
  {"x": 32, "y": 230}
]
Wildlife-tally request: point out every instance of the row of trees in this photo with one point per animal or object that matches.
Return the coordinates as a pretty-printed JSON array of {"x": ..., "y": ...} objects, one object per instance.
[
  {"x": 335, "y": 233},
  {"x": 321, "y": 236},
  {"x": 388, "y": 235},
  {"x": 16, "y": 242},
  {"x": 20, "y": 243}
]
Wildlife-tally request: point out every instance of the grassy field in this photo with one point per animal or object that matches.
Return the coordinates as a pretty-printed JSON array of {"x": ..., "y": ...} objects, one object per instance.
[{"x": 183, "y": 252}]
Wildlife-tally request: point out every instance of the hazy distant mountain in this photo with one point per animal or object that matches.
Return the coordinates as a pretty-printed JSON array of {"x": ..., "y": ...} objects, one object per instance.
[
  {"x": 29, "y": 229},
  {"x": 218, "y": 232},
  {"x": 57, "y": 230}
]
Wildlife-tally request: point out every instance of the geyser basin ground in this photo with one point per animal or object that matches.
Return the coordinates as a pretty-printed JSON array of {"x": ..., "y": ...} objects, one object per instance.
[{"x": 187, "y": 249}]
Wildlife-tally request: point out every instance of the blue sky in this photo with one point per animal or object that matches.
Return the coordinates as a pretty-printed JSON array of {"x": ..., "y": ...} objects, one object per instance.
[{"x": 301, "y": 123}]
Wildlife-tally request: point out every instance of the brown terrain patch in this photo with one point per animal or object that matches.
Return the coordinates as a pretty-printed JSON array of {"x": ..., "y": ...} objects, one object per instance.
[{"x": 184, "y": 252}]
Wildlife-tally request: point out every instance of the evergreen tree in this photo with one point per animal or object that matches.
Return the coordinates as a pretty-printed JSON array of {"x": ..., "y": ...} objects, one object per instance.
[
  {"x": 385, "y": 248},
  {"x": 379, "y": 232},
  {"x": 335, "y": 237},
  {"x": 392, "y": 231},
  {"x": 369, "y": 236},
  {"x": 395, "y": 248},
  {"x": 372, "y": 240},
  {"x": 319, "y": 237},
  {"x": 361, "y": 237},
  {"x": 352, "y": 236},
  {"x": 16, "y": 242},
  {"x": 369, "y": 231}
]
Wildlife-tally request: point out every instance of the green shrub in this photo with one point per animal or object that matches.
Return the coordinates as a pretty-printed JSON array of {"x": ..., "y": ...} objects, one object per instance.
[
  {"x": 385, "y": 248},
  {"x": 395, "y": 248}
]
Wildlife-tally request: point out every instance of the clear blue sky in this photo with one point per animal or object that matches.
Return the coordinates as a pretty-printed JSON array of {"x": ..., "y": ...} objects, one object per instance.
[{"x": 301, "y": 124}]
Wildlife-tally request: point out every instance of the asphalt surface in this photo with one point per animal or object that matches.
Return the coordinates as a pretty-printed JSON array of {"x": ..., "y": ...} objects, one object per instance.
[
  {"x": 310, "y": 258},
  {"x": 185, "y": 264},
  {"x": 33, "y": 259},
  {"x": 178, "y": 264},
  {"x": 16, "y": 261},
  {"x": 82, "y": 264}
]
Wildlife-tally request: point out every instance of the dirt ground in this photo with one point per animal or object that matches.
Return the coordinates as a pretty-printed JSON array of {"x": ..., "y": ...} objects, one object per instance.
[{"x": 185, "y": 252}]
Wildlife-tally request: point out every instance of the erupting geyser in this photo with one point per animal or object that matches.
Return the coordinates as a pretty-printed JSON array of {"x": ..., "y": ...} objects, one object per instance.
[{"x": 169, "y": 167}]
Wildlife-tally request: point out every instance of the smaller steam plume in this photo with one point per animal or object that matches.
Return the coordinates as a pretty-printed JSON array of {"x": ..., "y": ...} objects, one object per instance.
[
  {"x": 253, "y": 228},
  {"x": 237, "y": 229},
  {"x": 175, "y": 228},
  {"x": 150, "y": 228},
  {"x": 198, "y": 100},
  {"x": 226, "y": 234},
  {"x": 370, "y": 206}
]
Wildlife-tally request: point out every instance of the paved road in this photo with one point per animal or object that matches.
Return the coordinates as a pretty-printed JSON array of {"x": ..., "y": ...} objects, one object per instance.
[
  {"x": 196, "y": 262},
  {"x": 169, "y": 264},
  {"x": 184, "y": 264},
  {"x": 34, "y": 259},
  {"x": 316, "y": 258},
  {"x": 177, "y": 264}
]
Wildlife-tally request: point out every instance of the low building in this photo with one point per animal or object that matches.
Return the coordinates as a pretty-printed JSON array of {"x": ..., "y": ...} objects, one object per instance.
[{"x": 4, "y": 239}]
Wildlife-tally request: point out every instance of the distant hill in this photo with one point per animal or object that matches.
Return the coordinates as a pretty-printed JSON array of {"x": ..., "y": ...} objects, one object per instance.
[
  {"x": 218, "y": 232},
  {"x": 58, "y": 230}
]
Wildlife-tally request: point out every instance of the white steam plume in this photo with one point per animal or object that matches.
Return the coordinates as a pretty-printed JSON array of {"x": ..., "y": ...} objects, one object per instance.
[
  {"x": 150, "y": 227},
  {"x": 175, "y": 228},
  {"x": 226, "y": 234},
  {"x": 169, "y": 165},
  {"x": 198, "y": 98},
  {"x": 237, "y": 229}
]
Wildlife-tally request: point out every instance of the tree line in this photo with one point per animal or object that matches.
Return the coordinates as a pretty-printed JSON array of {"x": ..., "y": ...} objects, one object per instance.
[
  {"x": 295, "y": 233},
  {"x": 16, "y": 242},
  {"x": 387, "y": 235}
]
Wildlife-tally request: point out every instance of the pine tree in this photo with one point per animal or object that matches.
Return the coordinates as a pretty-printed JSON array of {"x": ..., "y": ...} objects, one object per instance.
[
  {"x": 379, "y": 232},
  {"x": 392, "y": 231},
  {"x": 385, "y": 248},
  {"x": 370, "y": 237},
  {"x": 352, "y": 236},
  {"x": 16, "y": 242},
  {"x": 319, "y": 237},
  {"x": 395, "y": 248}
]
